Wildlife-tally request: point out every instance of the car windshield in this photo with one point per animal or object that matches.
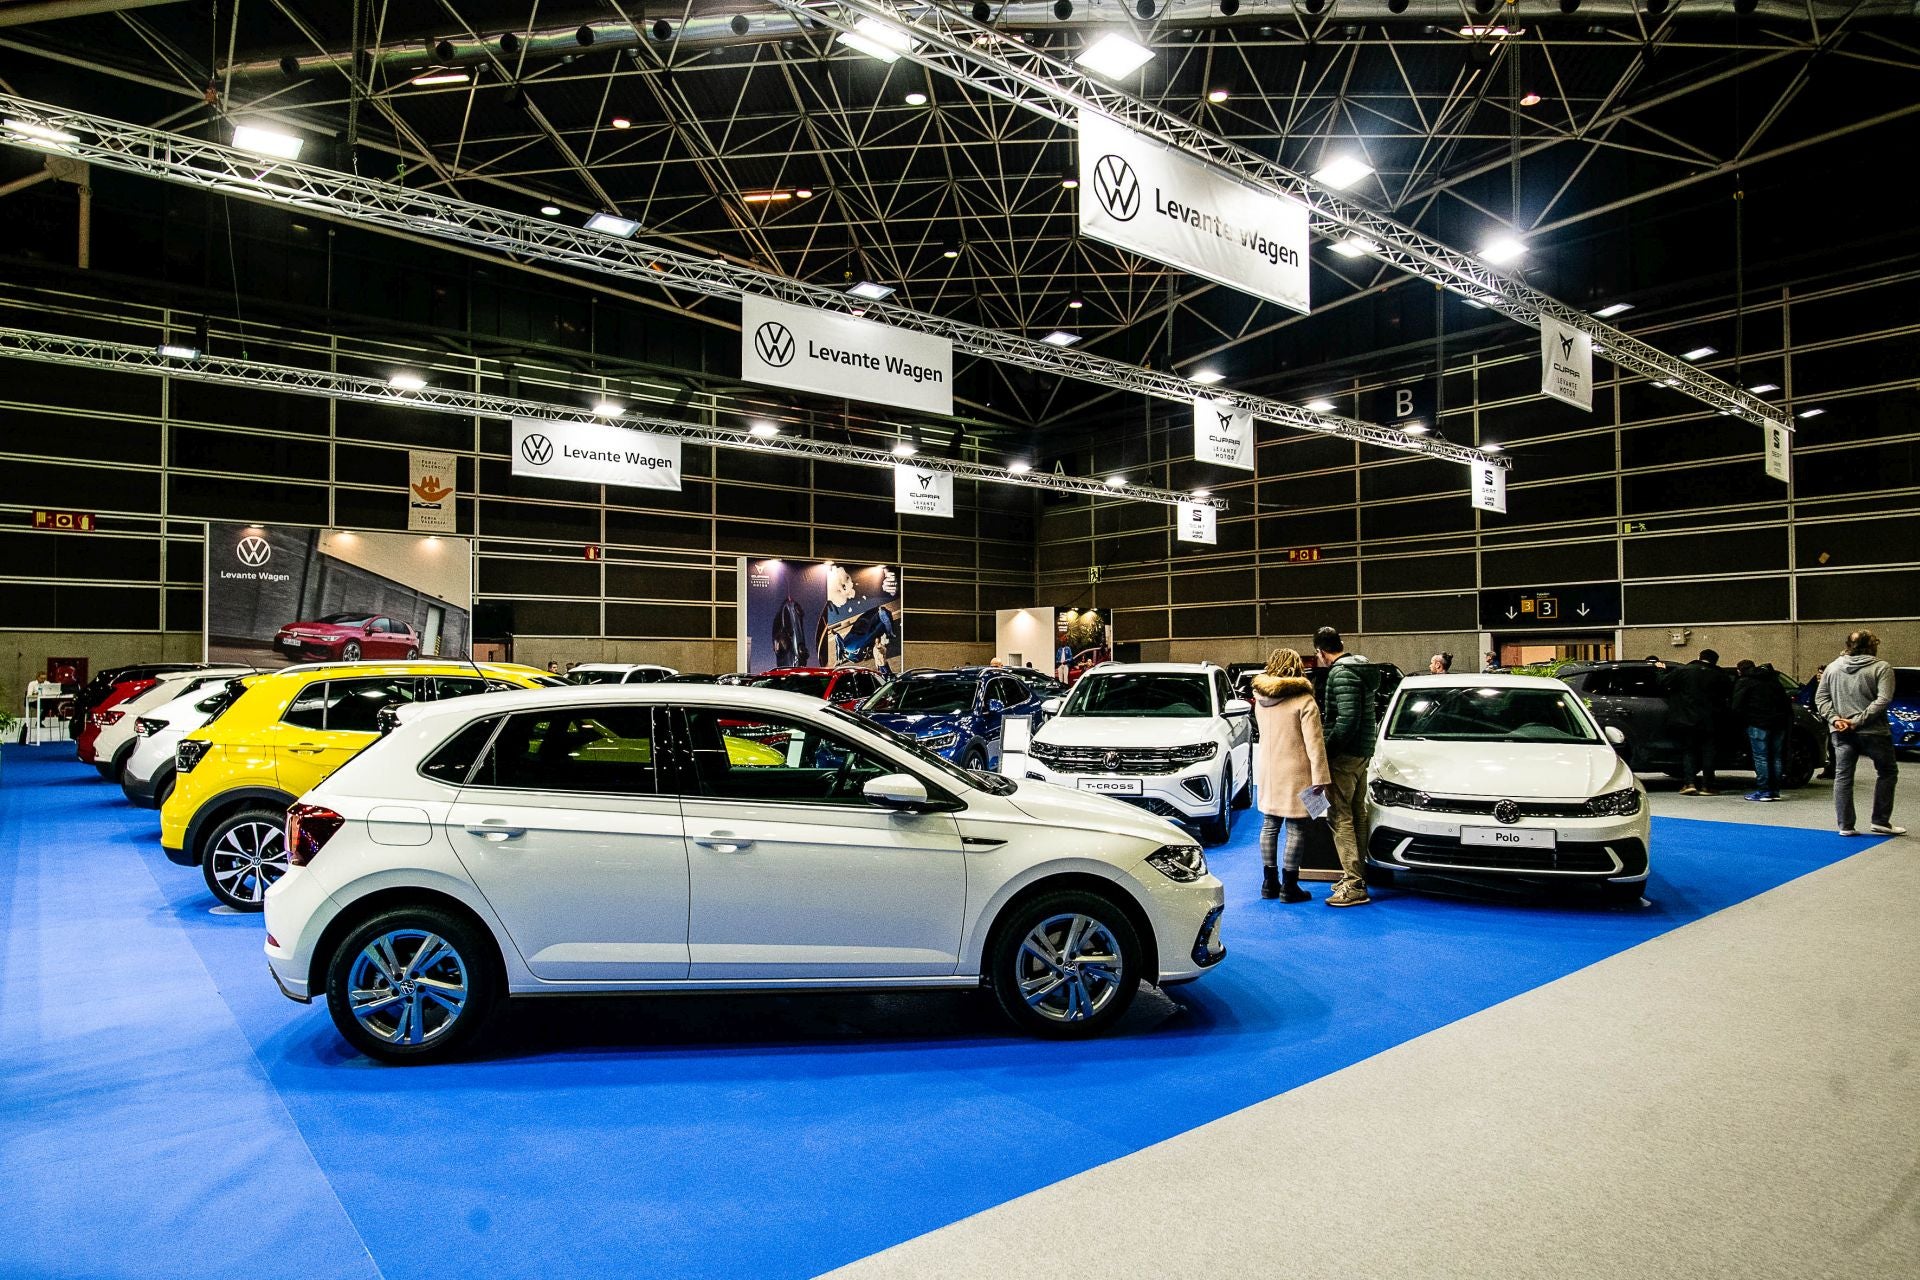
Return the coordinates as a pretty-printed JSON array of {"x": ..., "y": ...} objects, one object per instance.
[
  {"x": 814, "y": 686},
  {"x": 347, "y": 619},
  {"x": 1496, "y": 713},
  {"x": 923, "y": 697},
  {"x": 577, "y": 676},
  {"x": 848, "y": 722},
  {"x": 1139, "y": 693}
]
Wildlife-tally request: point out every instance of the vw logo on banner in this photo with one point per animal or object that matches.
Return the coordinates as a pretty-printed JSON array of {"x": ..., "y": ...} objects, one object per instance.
[
  {"x": 253, "y": 551},
  {"x": 774, "y": 342},
  {"x": 1116, "y": 187},
  {"x": 537, "y": 449}
]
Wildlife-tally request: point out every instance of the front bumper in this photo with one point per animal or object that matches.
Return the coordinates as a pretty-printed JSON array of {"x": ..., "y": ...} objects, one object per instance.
[
  {"x": 1609, "y": 849},
  {"x": 1186, "y": 924},
  {"x": 1185, "y": 796}
]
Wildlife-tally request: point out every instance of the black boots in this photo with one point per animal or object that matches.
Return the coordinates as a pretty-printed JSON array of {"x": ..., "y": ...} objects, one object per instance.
[
  {"x": 1270, "y": 883},
  {"x": 1290, "y": 890}
]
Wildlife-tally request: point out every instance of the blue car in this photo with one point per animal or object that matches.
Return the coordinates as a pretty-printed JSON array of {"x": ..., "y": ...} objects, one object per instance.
[
  {"x": 1903, "y": 713},
  {"x": 955, "y": 714}
]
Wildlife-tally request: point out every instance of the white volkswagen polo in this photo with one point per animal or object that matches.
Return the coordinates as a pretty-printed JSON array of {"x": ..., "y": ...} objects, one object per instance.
[
  {"x": 1502, "y": 777},
  {"x": 702, "y": 837}
]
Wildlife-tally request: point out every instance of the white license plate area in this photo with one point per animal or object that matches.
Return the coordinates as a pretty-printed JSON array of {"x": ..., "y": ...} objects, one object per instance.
[
  {"x": 1508, "y": 837},
  {"x": 1111, "y": 786}
]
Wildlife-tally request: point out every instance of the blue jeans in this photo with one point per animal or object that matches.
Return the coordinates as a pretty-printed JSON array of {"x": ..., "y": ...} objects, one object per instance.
[
  {"x": 1769, "y": 758},
  {"x": 1847, "y": 750}
]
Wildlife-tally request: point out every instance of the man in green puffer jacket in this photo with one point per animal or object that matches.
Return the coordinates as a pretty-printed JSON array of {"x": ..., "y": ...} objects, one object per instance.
[{"x": 1351, "y": 726}]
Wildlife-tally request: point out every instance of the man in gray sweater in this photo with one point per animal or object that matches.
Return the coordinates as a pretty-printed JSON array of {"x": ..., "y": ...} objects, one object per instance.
[{"x": 1852, "y": 698}]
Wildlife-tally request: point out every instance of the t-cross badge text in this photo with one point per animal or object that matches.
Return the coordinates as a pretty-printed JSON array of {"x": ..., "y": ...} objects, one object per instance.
[
  {"x": 1169, "y": 737},
  {"x": 681, "y": 837},
  {"x": 1504, "y": 778}
]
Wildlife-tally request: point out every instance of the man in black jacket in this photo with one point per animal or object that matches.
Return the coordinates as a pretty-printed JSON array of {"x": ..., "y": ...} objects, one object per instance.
[
  {"x": 1760, "y": 703},
  {"x": 1697, "y": 696},
  {"x": 1350, "y": 726}
]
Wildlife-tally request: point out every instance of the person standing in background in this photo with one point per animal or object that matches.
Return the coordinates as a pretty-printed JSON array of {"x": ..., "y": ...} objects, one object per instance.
[
  {"x": 1760, "y": 704},
  {"x": 1854, "y": 692},
  {"x": 1697, "y": 696},
  {"x": 1290, "y": 758},
  {"x": 1351, "y": 725},
  {"x": 1439, "y": 664}
]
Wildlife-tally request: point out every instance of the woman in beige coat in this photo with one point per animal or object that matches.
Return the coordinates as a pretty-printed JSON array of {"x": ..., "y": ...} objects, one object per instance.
[{"x": 1290, "y": 758}]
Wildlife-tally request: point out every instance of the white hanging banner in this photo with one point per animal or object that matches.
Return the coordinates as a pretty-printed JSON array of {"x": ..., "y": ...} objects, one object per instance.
[
  {"x": 1222, "y": 434},
  {"x": 596, "y": 452},
  {"x": 1779, "y": 451},
  {"x": 1198, "y": 522},
  {"x": 432, "y": 481},
  {"x": 1490, "y": 488},
  {"x": 917, "y": 492},
  {"x": 1141, "y": 195},
  {"x": 1566, "y": 364},
  {"x": 806, "y": 349}
]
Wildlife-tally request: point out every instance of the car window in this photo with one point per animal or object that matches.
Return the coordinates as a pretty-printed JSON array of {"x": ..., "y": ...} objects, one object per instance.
[
  {"x": 1013, "y": 692},
  {"x": 1140, "y": 693},
  {"x": 354, "y": 706},
  {"x": 1492, "y": 713},
  {"x": 455, "y": 759},
  {"x": 812, "y": 685},
  {"x": 464, "y": 686},
  {"x": 606, "y": 750},
  {"x": 772, "y": 758},
  {"x": 1222, "y": 688},
  {"x": 578, "y": 676},
  {"x": 309, "y": 707},
  {"x": 923, "y": 697}
]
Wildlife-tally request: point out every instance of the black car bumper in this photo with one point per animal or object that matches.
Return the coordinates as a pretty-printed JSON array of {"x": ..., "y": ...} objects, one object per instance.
[
  {"x": 144, "y": 792},
  {"x": 1619, "y": 859}
]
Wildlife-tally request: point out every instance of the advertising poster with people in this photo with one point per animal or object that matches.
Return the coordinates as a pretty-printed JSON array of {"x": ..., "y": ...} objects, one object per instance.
[
  {"x": 276, "y": 596},
  {"x": 824, "y": 614},
  {"x": 1081, "y": 642}
]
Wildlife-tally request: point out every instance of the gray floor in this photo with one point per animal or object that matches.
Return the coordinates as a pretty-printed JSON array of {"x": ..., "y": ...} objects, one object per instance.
[{"x": 1738, "y": 1098}]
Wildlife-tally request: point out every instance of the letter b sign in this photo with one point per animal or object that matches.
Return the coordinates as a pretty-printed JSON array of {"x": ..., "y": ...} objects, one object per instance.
[{"x": 1402, "y": 403}]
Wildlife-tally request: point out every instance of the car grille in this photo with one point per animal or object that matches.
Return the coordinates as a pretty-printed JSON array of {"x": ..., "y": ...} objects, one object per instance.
[
  {"x": 1138, "y": 760},
  {"x": 1154, "y": 805},
  {"x": 1440, "y": 853},
  {"x": 1528, "y": 808}
]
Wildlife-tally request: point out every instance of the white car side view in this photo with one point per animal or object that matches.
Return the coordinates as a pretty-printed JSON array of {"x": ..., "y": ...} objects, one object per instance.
[
  {"x": 1169, "y": 737},
  {"x": 147, "y": 778},
  {"x": 1503, "y": 777},
  {"x": 618, "y": 673},
  {"x": 706, "y": 837},
  {"x": 116, "y": 742}
]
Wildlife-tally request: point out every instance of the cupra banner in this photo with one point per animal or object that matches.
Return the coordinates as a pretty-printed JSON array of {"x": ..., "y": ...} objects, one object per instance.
[{"x": 1566, "y": 364}]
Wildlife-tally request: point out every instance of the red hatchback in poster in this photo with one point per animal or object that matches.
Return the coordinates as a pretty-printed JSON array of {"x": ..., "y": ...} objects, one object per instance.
[{"x": 347, "y": 637}]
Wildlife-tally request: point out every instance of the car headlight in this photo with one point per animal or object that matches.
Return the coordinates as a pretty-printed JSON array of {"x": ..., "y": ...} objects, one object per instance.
[
  {"x": 1044, "y": 751},
  {"x": 1195, "y": 752},
  {"x": 1615, "y": 804},
  {"x": 939, "y": 741},
  {"x": 1182, "y": 862},
  {"x": 1393, "y": 795}
]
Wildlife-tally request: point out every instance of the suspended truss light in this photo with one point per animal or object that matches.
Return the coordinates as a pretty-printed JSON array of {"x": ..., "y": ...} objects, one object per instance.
[
  {"x": 765, "y": 430},
  {"x": 1206, "y": 377},
  {"x": 266, "y": 142},
  {"x": 1356, "y": 247},
  {"x": 1613, "y": 309},
  {"x": 1762, "y": 388},
  {"x": 805, "y": 193},
  {"x": 1492, "y": 446},
  {"x": 621, "y": 122},
  {"x": 1701, "y": 353},
  {"x": 1063, "y": 9},
  {"x": 1019, "y": 466},
  {"x": 1217, "y": 96},
  {"x": 904, "y": 449},
  {"x": 1114, "y": 56},
  {"x": 1070, "y": 179},
  {"x": 916, "y": 99},
  {"x": 604, "y": 408},
  {"x": 1341, "y": 172},
  {"x": 1809, "y": 413},
  {"x": 1415, "y": 428},
  {"x": 174, "y": 350},
  {"x": 612, "y": 224},
  {"x": 1494, "y": 32},
  {"x": 1061, "y": 338},
  {"x": 1322, "y": 405},
  {"x": 766, "y": 197},
  {"x": 1076, "y": 302},
  {"x": 1502, "y": 250},
  {"x": 1116, "y": 481},
  {"x": 407, "y": 380},
  {"x": 1530, "y": 100},
  {"x": 878, "y": 39},
  {"x": 1203, "y": 493},
  {"x": 551, "y": 210},
  {"x": 1230, "y": 7},
  {"x": 872, "y": 292},
  {"x": 949, "y": 253},
  {"x": 443, "y": 75},
  {"x": 40, "y": 132}
]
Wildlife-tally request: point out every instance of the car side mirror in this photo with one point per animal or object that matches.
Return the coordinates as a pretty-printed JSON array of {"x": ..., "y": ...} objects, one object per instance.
[
  {"x": 1617, "y": 738},
  {"x": 900, "y": 791},
  {"x": 1052, "y": 706},
  {"x": 1238, "y": 706}
]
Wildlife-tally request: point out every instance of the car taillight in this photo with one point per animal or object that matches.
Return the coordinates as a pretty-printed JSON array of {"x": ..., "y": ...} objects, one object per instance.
[
  {"x": 309, "y": 827},
  {"x": 101, "y": 719},
  {"x": 189, "y": 753},
  {"x": 145, "y": 728}
]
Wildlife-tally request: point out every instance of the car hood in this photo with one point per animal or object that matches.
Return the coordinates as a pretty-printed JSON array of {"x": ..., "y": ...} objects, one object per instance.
[
  {"x": 1520, "y": 770},
  {"x": 913, "y": 723},
  {"x": 320, "y": 628},
  {"x": 1057, "y": 806},
  {"x": 1124, "y": 731}
]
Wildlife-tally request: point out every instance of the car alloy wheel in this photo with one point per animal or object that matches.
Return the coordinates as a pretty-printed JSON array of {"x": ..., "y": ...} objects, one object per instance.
[
  {"x": 245, "y": 854},
  {"x": 412, "y": 985},
  {"x": 1064, "y": 963},
  {"x": 413, "y": 653},
  {"x": 350, "y": 652}
]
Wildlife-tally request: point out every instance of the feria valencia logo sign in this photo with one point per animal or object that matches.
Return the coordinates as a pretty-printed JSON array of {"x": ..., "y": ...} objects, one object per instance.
[
  {"x": 537, "y": 449},
  {"x": 253, "y": 551},
  {"x": 1116, "y": 187},
  {"x": 774, "y": 343}
]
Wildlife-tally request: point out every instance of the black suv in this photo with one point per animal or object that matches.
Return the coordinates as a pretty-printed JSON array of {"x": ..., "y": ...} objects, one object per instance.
[{"x": 1627, "y": 696}]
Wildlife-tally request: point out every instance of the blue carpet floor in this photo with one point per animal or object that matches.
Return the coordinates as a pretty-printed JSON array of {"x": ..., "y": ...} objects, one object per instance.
[{"x": 165, "y": 1112}]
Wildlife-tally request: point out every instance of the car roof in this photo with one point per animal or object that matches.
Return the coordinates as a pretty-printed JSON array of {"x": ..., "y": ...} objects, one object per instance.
[
  {"x": 620, "y": 666},
  {"x": 802, "y": 671},
  {"x": 403, "y": 666},
  {"x": 1154, "y": 668},
  {"x": 745, "y": 697},
  {"x": 1484, "y": 680}
]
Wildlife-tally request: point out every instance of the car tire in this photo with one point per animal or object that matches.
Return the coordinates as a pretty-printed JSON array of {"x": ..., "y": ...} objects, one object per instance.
[
  {"x": 405, "y": 1015},
  {"x": 163, "y": 789},
  {"x": 1089, "y": 997},
  {"x": 104, "y": 769},
  {"x": 350, "y": 652},
  {"x": 975, "y": 758},
  {"x": 413, "y": 653},
  {"x": 1803, "y": 760},
  {"x": 243, "y": 855},
  {"x": 120, "y": 759},
  {"x": 1219, "y": 828}
]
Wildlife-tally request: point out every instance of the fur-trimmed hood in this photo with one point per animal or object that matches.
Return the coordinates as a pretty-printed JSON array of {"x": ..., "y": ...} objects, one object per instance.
[{"x": 1273, "y": 689}]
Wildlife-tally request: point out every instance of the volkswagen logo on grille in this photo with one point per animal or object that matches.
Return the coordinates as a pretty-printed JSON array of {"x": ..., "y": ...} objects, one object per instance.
[
  {"x": 1116, "y": 188},
  {"x": 1111, "y": 760},
  {"x": 774, "y": 342},
  {"x": 537, "y": 449},
  {"x": 1507, "y": 812},
  {"x": 253, "y": 552}
]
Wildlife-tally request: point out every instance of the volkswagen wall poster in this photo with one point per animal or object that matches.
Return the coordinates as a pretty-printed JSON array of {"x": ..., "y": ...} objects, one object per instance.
[
  {"x": 595, "y": 452},
  {"x": 807, "y": 349},
  {"x": 818, "y": 614}
]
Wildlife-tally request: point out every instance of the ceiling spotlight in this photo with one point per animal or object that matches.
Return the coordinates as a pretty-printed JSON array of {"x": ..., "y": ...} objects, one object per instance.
[
  {"x": 58, "y": 137},
  {"x": 1063, "y": 9},
  {"x": 1502, "y": 249},
  {"x": 1230, "y": 7},
  {"x": 1115, "y": 481},
  {"x": 1701, "y": 353},
  {"x": 1206, "y": 377},
  {"x": 551, "y": 210},
  {"x": 1397, "y": 6},
  {"x": 1492, "y": 446},
  {"x": 584, "y": 36},
  {"x": 804, "y": 193},
  {"x": 662, "y": 30},
  {"x": 621, "y": 122},
  {"x": 1356, "y": 247},
  {"x": 1530, "y": 100},
  {"x": 982, "y": 11},
  {"x": 1341, "y": 172},
  {"x": 916, "y": 99},
  {"x": 1061, "y": 338},
  {"x": 1114, "y": 56},
  {"x": 766, "y": 197},
  {"x": 872, "y": 292},
  {"x": 1496, "y": 32},
  {"x": 1322, "y": 405},
  {"x": 608, "y": 408},
  {"x": 739, "y": 25},
  {"x": 1216, "y": 96},
  {"x": 765, "y": 430},
  {"x": 1070, "y": 179},
  {"x": 407, "y": 380},
  {"x": 259, "y": 140},
  {"x": 1203, "y": 493},
  {"x": 878, "y": 39},
  {"x": 1414, "y": 428},
  {"x": 1019, "y": 466},
  {"x": 1810, "y": 413},
  {"x": 904, "y": 449},
  {"x": 1568, "y": 7},
  {"x": 174, "y": 350},
  {"x": 1761, "y": 388},
  {"x": 1144, "y": 8},
  {"x": 1613, "y": 309},
  {"x": 443, "y": 75},
  {"x": 949, "y": 253},
  {"x": 612, "y": 224},
  {"x": 1075, "y": 303}
]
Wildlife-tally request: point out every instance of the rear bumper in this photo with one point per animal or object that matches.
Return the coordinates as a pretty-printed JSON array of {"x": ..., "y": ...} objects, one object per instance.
[{"x": 143, "y": 792}]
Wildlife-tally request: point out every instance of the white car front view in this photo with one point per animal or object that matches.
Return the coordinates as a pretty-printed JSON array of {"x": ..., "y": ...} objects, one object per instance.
[
  {"x": 1168, "y": 737},
  {"x": 689, "y": 837},
  {"x": 1501, "y": 777}
]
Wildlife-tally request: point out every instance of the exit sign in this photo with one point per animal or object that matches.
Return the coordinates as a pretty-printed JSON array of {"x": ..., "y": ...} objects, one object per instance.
[
  {"x": 1302, "y": 555},
  {"x": 66, "y": 521}
]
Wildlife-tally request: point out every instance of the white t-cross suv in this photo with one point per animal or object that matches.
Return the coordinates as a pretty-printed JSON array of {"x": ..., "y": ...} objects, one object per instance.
[
  {"x": 706, "y": 837},
  {"x": 1170, "y": 737}
]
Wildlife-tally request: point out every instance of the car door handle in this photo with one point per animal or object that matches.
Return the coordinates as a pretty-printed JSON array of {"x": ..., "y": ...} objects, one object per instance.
[
  {"x": 306, "y": 749},
  {"x": 723, "y": 842},
  {"x": 495, "y": 830}
]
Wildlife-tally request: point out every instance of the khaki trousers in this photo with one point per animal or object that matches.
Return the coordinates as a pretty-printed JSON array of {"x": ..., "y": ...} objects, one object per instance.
[{"x": 1349, "y": 816}]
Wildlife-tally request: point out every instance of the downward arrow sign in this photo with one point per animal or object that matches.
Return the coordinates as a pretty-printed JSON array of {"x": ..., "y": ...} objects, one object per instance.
[
  {"x": 1511, "y": 614},
  {"x": 1582, "y": 611}
]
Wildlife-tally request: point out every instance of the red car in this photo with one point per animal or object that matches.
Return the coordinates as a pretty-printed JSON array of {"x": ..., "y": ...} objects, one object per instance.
[
  {"x": 347, "y": 637},
  {"x": 844, "y": 687},
  {"x": 105, "y": 713}
]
